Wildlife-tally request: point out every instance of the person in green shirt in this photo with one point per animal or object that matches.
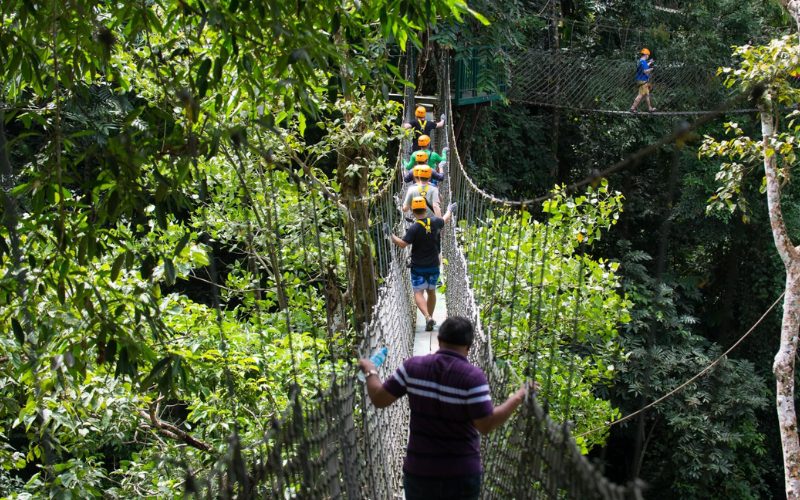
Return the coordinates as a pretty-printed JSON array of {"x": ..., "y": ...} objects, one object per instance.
[
  {"x": 421, "y": 157},
  {"x": 434, "y": 158}
]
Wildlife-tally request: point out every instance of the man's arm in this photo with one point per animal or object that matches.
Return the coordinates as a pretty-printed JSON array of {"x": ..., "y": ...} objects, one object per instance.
[
  {"x": 441, "y": 121},
  {"x": 407, "y": 201},
  {"x": 449, "y": 215},
  {"x": 437, "y": 207},
  {"x": 399, "y": 241},
  {"x": 379, "y": 396},
  {"x": 501, "y": 413}
]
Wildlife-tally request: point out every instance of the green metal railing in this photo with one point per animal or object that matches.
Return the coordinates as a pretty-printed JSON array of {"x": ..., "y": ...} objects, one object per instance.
[{"x": 478, "y": 77}]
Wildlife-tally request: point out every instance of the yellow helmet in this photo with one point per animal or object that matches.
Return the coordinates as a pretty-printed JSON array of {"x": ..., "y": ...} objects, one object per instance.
[
  {"x": 645, "y": 51},
  {"x": 423, "y": 140},
  {"x": 420, "y": 112},
  {"x": 418, "y": 203},
  {"x": 421, "y": 156},
  {"x": 422, "y": 171}
]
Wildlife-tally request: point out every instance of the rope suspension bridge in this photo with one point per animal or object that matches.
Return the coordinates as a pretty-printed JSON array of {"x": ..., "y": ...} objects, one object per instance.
[
  {"x": 331, "y": 443},
  {"x": 565, "y": 70}
]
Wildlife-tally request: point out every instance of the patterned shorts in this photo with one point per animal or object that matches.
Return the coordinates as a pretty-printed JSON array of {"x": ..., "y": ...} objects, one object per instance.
[{"x": 424, "y": 278}]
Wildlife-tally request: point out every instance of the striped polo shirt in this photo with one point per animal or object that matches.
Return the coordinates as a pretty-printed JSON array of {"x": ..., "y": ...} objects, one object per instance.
[{"x": 445, "y": 393}]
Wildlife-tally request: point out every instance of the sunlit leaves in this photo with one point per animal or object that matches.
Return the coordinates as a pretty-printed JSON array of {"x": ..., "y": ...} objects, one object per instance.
[
  {"x": 543, "y": 296},
  {"x": 775, "y": 69}
]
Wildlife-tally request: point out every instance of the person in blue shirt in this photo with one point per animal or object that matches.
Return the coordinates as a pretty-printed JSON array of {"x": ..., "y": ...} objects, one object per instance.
[{"x": 643, "y": 69}]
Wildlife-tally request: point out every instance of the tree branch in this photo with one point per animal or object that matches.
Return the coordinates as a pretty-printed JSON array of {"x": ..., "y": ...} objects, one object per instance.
[{"x": 168, "y": 430}]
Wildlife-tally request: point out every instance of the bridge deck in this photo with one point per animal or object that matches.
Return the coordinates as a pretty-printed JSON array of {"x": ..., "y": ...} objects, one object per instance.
[{"x": 425, "y": 342}]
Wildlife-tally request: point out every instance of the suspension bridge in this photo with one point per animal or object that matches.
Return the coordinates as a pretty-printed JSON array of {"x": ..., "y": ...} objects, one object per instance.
[{"x": 337, "y": 445}]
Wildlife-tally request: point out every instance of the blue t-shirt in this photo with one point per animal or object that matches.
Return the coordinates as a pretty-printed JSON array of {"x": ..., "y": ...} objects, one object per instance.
[{"x": 641, "y": 67}]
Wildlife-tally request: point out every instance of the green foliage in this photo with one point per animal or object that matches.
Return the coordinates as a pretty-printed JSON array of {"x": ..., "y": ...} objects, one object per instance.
[
  {"x": 524, "y": 277},
  {"x": 148, "y": 149},
  {"x": 717, "y": 412},
  {"x": 769, "y": 70}
]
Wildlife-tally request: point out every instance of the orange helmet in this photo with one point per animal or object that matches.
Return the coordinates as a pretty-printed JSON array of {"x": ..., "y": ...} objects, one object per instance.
[
  {"x": 645, "y": 51},
  {"x": 420, "y": 112},
  {"x": 422, "y": 171},
  {"x": 418, "y": 203},
  {"x": 423, "y": 140},
  {"x": 421, "y": 156}
]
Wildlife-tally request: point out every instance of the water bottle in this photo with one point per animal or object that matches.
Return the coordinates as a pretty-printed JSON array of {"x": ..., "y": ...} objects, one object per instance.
[{"x": 378, "y": 358}]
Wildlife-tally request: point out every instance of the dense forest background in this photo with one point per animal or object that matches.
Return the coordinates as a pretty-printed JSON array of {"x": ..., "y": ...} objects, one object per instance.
[
  {"x": 699, "y": 279},
  {"x": 138, "y": 144}
]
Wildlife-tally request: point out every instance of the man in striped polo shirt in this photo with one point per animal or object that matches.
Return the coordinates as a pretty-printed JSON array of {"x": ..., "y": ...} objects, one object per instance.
[{"x": 450, "y": 405}]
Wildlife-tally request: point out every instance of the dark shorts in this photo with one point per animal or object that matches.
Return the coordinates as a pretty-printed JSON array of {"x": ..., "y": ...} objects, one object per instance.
[
  {"x": 424, "y": 278},
  {"x": 436, "y": 488}
]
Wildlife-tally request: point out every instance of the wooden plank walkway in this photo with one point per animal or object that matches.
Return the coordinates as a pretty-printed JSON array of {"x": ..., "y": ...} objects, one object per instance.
[{"x": 425, "y": 342}]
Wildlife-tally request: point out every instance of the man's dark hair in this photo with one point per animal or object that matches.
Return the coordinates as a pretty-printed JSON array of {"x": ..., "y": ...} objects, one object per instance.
[
  {"x": 457, "y": 331},
  {"x": 420, "y": 211}
]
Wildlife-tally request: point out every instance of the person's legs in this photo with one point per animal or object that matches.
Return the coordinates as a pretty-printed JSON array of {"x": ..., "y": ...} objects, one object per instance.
[
  {"x": 636, "y": 102},
  {"x": 642, "y": 92},
  {"x": 649, "y": 104},
  {"x": 431, "y": 303},
  {"x": 419, "y": 284},
  {"x": 416, "y": 488},
  {"x": 432, "y": 281},
  {"x": 422, "y": 303}
]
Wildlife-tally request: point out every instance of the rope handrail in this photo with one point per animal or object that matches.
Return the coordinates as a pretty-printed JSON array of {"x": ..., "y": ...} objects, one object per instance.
[
  {"x": 630, "y": 161},
  {"x": 696, "y": 376}
]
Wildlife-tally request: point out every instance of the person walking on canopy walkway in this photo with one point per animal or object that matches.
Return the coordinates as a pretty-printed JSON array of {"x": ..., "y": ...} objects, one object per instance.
[
  {"x": 423, "y": 236},
  {"x": 422, "y": 175},
  {"x": 421, "y": 156},
  {"x": 451, "y": 406},
  {"x": 434, "y": 158},
  {"x": 422, "y": 126},
  {"x": 644, "y": 68}
]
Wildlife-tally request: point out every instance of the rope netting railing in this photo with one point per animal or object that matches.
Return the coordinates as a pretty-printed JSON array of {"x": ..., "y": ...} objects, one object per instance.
[{"x": 523, "y": 283}]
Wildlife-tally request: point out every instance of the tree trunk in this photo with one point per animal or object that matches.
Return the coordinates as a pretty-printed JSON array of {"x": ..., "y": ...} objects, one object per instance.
[
  {"x": 360, "y": 266},
  {"x": 783, "y": 366}
]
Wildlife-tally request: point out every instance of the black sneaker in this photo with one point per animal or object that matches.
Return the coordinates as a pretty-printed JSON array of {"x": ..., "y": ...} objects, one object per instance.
[{"x": 429, "y": 325}]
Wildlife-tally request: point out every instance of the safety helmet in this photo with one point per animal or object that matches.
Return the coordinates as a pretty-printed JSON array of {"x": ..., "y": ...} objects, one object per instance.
[
  {"x": 418, "y": 202},
  {"x": 422, "y": 171},
  {"x": 645, "y": 51},
  {"x": 421, "y": 156},
  {"x": 423, "y": 140},
  {"x": 420, "y": 112}
]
